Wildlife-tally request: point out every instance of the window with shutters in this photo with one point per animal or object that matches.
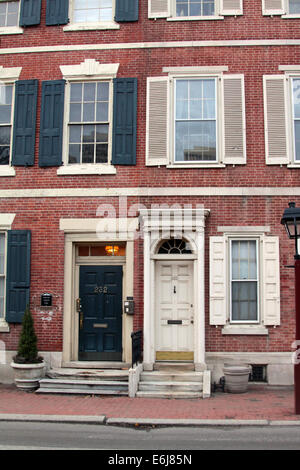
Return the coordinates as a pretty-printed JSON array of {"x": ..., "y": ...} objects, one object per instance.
[
  {"x": 10, "y": 17},
  {"x": 195, "y": 119},
  {"x": 178, "y": 10},
  {"x": 244, "y": 280}
]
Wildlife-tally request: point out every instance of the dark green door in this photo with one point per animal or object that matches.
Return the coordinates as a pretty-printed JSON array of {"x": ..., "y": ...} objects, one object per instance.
[{"x": 100, "y": 320}]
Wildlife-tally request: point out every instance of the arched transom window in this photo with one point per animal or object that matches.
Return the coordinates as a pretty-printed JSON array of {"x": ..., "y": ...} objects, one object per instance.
[{"x": 174, "y": 246}]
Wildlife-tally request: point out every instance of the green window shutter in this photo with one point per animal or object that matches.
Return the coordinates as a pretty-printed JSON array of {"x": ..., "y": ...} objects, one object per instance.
[
  {"x": 18, "y": 274},
  {"x": 30, "y": 13},
  {"x": 124, "y": 121},
  {"x": 127, "y": 10},
  {"x": 57, "y": 12},
  {"x": 51, "y": 127},
  {"x": 24, "y": 122}
]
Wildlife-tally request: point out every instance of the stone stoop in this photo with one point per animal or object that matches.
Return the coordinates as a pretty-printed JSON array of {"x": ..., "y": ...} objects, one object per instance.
[
  {"x": 174, "y": 381},
  {"x": 85, "y": 381}
]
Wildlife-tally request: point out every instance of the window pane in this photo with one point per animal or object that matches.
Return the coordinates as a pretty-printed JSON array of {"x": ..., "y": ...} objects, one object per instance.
[
  {"x": 5, "y": 114},
  {"x": 89, "y": 92},
  {"x": 102, "y": 133},
  {"x": 297, "y": 140},
  {"x": 75, "y": 112},
  {"x": 88, "y": 153},
  {"x": 75, "y": 134},
  {"x": 76, "y": 92},
  {"x": 74, "y": 153},
  {"x": 101, "y": 153},
  {"x": 4, "y": 155},
  {"x": 2, "y": 254},
  {"x": 88, "y": 134},
  {"x": 4, "y": 135},
  {"x": 244, "y": 301},
  {"x": 102, "y": 112},
  {"x": 182, "y": 9},
  {"x": 103, "y": 91},
  {"x": 243, "y": 258},
  {"x": 294, "y": 6},
  {"x": 88, "y": 112},
  {"x": 12, "y": 19},
  {"x": 196, "y": 140},
  {"x": 13, "y": 7}
]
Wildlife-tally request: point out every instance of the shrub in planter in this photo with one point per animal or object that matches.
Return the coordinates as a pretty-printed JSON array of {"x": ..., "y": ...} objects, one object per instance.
[{"x": 28, "y": 366}]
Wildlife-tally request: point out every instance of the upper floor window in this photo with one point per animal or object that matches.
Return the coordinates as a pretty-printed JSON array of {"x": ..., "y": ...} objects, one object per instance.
[
  {"x": 294, "y": 7},
  {"x": 195, "y": 120},
  {"x": 92, "y": 11},
  {"x": 6, "y": 93},
  {"x": 286, "y": 8},
  {"x": 195, "y": 7},
  {"x": 89, "y": 122},
  {"x": 9, "y": 14}
]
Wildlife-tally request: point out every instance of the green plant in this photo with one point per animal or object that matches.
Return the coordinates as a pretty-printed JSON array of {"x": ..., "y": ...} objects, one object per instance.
[{"x": 27, "y": 349}]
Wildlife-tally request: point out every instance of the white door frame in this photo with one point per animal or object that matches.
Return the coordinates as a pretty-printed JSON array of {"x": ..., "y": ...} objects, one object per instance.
[{"x": 159, "y": 224}]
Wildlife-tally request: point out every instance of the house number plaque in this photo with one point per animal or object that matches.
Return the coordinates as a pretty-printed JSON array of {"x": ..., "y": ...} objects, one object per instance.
[{"x": 100, "y": 290}]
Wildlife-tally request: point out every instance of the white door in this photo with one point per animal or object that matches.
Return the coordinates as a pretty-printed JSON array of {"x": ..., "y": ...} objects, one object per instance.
[{"x": 174, "y": 310}]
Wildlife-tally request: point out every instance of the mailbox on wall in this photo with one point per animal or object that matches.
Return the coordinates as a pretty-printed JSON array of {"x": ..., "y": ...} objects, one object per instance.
[{"x": 129, "y": 306}]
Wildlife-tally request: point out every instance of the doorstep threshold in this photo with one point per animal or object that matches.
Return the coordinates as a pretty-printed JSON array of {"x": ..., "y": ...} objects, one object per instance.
[{"x": 95, "y": 365}]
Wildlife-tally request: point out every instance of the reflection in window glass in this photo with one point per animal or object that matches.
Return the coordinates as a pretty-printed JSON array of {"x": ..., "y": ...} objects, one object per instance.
[
  {"x": 195, "y": 120},
  {"x": 244, "y": 281},
  {"x": 88, "y": 122}
]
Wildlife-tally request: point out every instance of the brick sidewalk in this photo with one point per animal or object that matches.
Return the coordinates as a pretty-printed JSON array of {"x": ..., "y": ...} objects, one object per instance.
[{"x": 258, "y": 403}]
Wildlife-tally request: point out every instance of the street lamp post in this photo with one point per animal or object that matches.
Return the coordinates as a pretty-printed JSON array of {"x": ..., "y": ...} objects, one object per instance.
[{"x": 291, "y": 221}]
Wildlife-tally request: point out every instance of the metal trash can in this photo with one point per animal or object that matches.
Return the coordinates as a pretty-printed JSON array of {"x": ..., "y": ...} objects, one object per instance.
[{"x": 236, "y": 378}]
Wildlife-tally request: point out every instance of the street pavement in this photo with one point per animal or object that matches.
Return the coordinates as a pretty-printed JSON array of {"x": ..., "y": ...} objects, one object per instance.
[{"x": 260, "y": 405}]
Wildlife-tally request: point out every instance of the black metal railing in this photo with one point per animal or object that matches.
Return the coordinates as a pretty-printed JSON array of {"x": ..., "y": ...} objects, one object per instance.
[{"x": 136, "y": 344}]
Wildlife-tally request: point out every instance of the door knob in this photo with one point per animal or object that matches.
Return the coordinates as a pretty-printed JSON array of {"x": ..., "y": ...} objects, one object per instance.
[{"x": 81, "y": 320}]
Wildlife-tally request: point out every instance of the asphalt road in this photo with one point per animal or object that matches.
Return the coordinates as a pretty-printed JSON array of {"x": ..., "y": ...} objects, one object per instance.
[{"x": 55, "y": 436}]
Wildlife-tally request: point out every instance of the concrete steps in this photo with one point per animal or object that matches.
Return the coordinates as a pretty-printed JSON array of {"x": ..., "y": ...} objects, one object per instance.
[
  {"x": 83, "y": 381},
  {"x": 171, "y": 381}
]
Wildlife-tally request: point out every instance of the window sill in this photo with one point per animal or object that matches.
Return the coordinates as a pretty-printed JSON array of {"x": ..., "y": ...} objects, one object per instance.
[
  {"x": 288, "y": 17},
  {"x": 7, "y": 171},
  {"x": 11, "y": 30},
  {"x": 91, "y": 26},
  {"x": 198, "y": 165},
  {"x": 4, "y": 327},
  {"x": 195, "y": 18},
  {"x": 245, "y": 330},
  {"x": 86, "y": 170}
]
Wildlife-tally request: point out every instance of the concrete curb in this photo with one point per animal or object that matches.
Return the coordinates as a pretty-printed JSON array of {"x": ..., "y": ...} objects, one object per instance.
[{"x": 79, "y": 419}]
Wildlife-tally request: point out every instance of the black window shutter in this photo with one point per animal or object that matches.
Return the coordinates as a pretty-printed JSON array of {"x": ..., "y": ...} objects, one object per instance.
[
  {"x": 24, "y": 122},
  {"x": 57, "y": 12},
  {"x": 51, "y": 127},
  {"x": 124, "y": 121},
  {"x": 30, "y": 13},
  {"x": 18, "y": 274},
  {"x": 127, "y": 10}
]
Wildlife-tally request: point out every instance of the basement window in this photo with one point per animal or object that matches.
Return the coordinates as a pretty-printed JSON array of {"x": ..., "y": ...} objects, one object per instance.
[{"x": 258, "y": 373}]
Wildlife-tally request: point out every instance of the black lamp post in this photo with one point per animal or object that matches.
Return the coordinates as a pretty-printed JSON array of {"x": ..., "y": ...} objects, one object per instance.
[{"x": 291, "y": 221}]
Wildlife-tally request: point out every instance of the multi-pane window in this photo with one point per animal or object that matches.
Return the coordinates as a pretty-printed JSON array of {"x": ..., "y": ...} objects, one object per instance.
[
  {"x": 6, "y": 92},
  {"x": 92, "y": 11},
  {"x": 89, "y": 122},
  {"x": 2, "y": 274},
  {"x": 296, "y": 117},
  {"x": 187, "y": 8},
  {"x": 244, "y": 281},
  {"x": 195, "y": 120},
  {"x": 9, "y": 13},
  {"x": 294, "y": 7}
]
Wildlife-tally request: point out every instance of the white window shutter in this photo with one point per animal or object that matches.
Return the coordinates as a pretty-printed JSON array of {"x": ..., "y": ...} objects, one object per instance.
[
  {"x": 273, "y": 7},
  {"x": 275, "y": 110},
  {"x": 231, "y": 7},
  {"x": 157, "y": 124},
  {"x": 271, "y": 281},
  {"x": 234, "y": 120},
  {"x": 217, "y": 293},
  {"x": 158, "y": 8}
]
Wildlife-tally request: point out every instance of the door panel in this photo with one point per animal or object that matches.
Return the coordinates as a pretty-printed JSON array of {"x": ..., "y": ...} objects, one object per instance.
[
  {"x": 100, "y": 334},
  {"x": 174, "y": 310}
]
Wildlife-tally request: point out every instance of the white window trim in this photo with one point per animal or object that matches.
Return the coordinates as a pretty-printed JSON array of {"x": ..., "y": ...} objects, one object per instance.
[
  {"x": 9, "y": 76},
  {"x": 90, "y": 26},
  {"x": 244, "y": 233},
  {"x": 173, "y": 16},
  {"x": 6, "y": 221},
  {"x": 89, "y": 70},
  {"x": 190, "y": 73},
  {"x": 12, "y": 29}
]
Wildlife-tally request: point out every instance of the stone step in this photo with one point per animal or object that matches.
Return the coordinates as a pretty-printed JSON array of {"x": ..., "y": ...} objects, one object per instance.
[
  {"x": 84, "y": 384},
  {"x": 171, "y": 386},
  {"x": 165, "y": 394},
  {"x": 84, "y": 374},
  {"x": 166, "y": 376},
  {"x": 80, "y": 391}
]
